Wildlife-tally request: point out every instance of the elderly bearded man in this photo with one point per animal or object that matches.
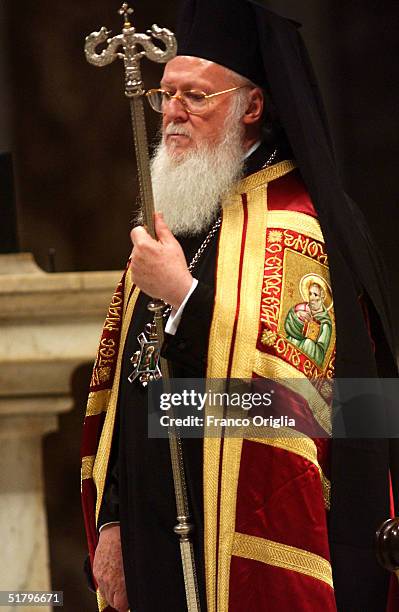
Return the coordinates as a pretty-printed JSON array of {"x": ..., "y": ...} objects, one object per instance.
[{"x": 280, "y": 523}]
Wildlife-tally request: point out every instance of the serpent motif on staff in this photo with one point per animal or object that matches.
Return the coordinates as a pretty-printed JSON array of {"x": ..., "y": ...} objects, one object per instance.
[{"x": 129, "y": 40}]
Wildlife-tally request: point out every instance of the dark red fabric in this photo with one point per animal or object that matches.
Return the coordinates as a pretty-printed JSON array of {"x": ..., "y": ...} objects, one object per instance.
[
  {"x": 289, "y": 193},
  {"x": 257, "y": 587},
  {"x": 287, "y": 403},
  {"x": 94, "y": 425},
  {"x": 88, "y": 494},
  {"x": 280, "y": 498}
]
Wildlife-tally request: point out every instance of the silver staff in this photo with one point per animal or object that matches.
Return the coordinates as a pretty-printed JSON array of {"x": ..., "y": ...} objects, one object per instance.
[{"x": 129, "y": 41}]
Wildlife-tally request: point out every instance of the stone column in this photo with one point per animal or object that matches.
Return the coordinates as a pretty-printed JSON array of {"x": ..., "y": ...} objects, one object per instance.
[{"x": 49, "y": 325}]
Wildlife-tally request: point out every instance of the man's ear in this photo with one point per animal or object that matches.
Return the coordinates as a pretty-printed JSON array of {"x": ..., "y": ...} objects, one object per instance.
[{"x": 255, "y": 106}]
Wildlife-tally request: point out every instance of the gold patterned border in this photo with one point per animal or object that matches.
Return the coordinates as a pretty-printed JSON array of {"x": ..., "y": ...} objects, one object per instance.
[
  {"x": 242, "y": 367},
  {"x": 226, "y": 294},
  {"x": 87, "y": 466},
  {"x": 128, "y": 288},
  {"x": 251, "y": 284},
  {"x": 104, "y": 447},
  {"x": 97, "y": 402},
  {"x": 266, "y": 175},
  {"x": 284, "y": 556},
  {"x": 270, "y": 366},
  {"x": 212, "y": 448},
  {"x": 101, "y": 601},
  {"x": 230, "y": 472},
  {"x": 297, "y": 222}
]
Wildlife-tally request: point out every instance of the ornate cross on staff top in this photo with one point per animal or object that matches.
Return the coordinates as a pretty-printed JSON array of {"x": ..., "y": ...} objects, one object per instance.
[
  {"x": 132, "y": 47},
  {"x": 125, "y": 11}
]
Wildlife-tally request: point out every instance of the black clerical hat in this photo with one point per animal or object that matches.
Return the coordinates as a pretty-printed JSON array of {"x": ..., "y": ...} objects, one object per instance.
[{"x": 225, "y": 32}]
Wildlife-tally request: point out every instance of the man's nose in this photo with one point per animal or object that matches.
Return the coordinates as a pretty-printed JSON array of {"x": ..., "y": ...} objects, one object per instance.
[{"x": 175, "y": 111}]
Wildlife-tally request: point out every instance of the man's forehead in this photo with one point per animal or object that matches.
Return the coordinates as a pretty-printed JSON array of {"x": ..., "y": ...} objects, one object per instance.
[{"x": 189, "y": 69}]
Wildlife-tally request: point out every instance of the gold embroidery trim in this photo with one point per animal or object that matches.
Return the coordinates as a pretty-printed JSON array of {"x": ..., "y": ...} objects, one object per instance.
[
  {"x": 218, "y": 359},
  {"x": 294, "y": 442},
  {"x": 284, "y": 556},
  {"x": 266, "y": 175},
  {"x": 296, "y": 221},
  {"x": 104, "y": 447},
  {"x": 270, "y": 366},
  {"x": 211, "y": 481},
  {"x": 97, "y": 402},
  {"x": 242, "y": 366},
  {"x": 251, "y": 284},
  {"x": 326, "y": 486},
  {"x": 128, "y": 289},
  {"x": 230, "y": 473},
  {"x": 226, "y": 288},
  {"x": 101, "y": 601},
  {"x": 87, "y": 466}
]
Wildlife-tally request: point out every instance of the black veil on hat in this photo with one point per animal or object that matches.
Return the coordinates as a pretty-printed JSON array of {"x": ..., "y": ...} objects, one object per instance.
[{"x": 268, "y": 49}]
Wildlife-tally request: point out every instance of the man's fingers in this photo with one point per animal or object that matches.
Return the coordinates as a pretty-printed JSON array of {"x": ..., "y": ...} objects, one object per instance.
[
  {"x": 161, "y": 229},
  {"x": 139, "y": 235},
  {"x": 120, "y": 601}
]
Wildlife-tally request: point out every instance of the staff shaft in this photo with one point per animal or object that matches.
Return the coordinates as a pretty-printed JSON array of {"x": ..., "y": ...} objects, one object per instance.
[{"x": 143, "y": 162}]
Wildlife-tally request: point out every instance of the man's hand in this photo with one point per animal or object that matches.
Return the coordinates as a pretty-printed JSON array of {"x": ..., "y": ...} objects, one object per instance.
[
  {"x": 159, "y": 267},
  {"x": 108, "y": 568}
]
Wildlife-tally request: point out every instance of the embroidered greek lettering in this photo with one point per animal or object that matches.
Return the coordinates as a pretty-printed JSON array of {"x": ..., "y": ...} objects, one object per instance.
[
  {"x": 288, "y": 351},
  {"x": 331, "y": 366},
  {"x": 114, "y": 313},
  {"x": 273, "y": 264},
  {"x": 103, "y": 362},
  {"x": 107, "y": 342},
  {"x": 107, "y": 352},
  {"x": 311, "y": 370},
  {"x": 313, "y": 249},
  {"x": 272, "y": 285},
  {"x": 116, "y": 299},
  {"x": 270, "y": 307},
  {"x": 274, "y": 247},
  {"x": 306, "y": 246},
  {"x": 94, "y": 379}
]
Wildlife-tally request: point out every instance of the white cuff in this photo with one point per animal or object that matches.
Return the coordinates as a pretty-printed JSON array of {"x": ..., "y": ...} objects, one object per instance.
[
  {"x": 175, "y": 316},
  {"x": 106, "y": 525}
]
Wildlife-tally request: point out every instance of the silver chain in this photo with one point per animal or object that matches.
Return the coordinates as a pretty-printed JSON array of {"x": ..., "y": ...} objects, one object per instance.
[
  {"x": 271, "y": 159},
  {"x": 214, "y": 229},
  {"x": 203, "y": 246}
]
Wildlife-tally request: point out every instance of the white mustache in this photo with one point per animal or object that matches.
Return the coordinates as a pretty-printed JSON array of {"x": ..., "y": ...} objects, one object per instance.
[{"x": 175, "y": 128}]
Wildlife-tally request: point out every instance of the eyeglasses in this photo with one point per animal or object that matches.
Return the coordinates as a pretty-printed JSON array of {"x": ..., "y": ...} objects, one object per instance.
[{"x": 193, "y": 101}]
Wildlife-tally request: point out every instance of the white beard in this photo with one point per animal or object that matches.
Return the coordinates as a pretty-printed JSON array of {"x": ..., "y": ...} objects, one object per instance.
[{"x": 188, "y": 188}]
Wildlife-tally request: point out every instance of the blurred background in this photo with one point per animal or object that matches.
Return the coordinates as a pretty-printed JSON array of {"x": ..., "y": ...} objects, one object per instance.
[{"x": 67, "y": 126}]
